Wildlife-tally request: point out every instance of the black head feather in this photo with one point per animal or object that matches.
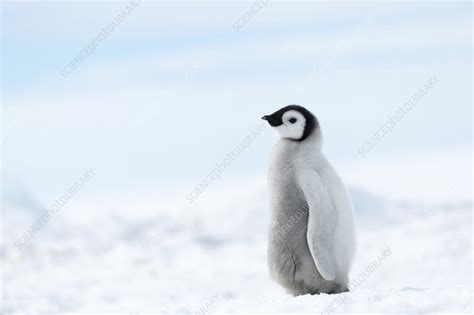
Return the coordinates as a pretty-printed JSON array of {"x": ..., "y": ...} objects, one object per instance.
[{"x": 275, "y": 119}]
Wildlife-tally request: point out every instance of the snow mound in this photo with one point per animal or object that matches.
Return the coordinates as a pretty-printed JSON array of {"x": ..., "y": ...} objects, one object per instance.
[{"x": 210, "y": 256}]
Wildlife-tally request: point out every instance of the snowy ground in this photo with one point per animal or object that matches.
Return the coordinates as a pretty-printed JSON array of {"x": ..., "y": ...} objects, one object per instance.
[{"x": 160, "y": 254}]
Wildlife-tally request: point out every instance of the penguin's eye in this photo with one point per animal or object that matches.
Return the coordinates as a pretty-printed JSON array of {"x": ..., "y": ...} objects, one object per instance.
[{"x": 293, "y": 120}]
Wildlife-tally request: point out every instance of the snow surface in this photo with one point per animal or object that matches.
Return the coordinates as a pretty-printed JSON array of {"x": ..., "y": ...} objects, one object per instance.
[{"x": 160, "y": 254}]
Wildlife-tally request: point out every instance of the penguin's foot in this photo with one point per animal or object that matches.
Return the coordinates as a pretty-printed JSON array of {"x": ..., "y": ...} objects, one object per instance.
[{"x": 338, "y": 288}]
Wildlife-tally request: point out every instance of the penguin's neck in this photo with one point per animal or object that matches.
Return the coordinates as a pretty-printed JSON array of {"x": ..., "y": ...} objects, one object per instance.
[
  {"x": 288, "y": 151},
  {"x": 313, "y": 141},
  {"x": 310, "y": 149}
]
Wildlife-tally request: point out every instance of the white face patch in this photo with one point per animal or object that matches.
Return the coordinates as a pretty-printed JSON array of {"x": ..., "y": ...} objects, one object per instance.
[{"x": 293, "y": 125}]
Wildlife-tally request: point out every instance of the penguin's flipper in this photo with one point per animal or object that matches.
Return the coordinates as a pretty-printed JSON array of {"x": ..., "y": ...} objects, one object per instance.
[{"x": 321, "y": 223}]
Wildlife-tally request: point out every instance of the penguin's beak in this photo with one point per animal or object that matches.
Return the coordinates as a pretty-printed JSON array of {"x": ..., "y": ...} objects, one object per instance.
[{"x": 272, "y": 120}]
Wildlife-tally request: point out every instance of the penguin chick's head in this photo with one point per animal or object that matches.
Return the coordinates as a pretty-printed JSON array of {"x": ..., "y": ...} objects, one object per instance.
[{"x": 293, "y": 122}]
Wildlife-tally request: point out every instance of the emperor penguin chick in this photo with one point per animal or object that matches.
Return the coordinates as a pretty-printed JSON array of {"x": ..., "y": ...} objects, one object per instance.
[{"x": 311, "y": 236}]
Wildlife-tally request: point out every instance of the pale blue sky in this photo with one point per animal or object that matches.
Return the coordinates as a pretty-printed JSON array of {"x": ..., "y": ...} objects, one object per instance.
[{"x": 174, "y": 87}]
